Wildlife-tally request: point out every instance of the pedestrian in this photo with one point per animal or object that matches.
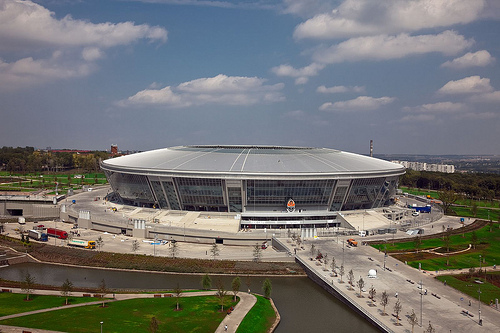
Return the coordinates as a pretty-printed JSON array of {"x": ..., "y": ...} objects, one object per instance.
[
  {"x": 470, "y": 303},
  {"x": 225, "y": 328},
  {"x": 396, "y": 295}
]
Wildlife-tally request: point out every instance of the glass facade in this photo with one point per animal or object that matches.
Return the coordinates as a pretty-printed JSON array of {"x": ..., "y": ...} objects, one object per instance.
[
  {"x": 278, "y": 192},
  {"x": 212, "y": 194}
]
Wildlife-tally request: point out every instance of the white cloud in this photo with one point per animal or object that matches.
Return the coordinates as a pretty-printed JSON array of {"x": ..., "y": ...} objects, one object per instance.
[
  {"x": 386, "y": 47},
  {"x": 468, "y": 85},
  {"x": 91, "y": 53},
  {"x": 368, "y": 17},
  {"x": 339, "y": 89},
  {"x": 418, "y": 118},
  {"x": 28, "y": 71},
  {"x": 32, "y": 30},
  {"x": 287, "y": 70},
  {"x": 477, "y": 59},
  {"x": 221, "y": 89},
  {"x": 441, "y": 107},
  {"x": 25, "y": 25},
  {"x": 301, "y": 80},
  {"x": 361, "y": 103},
  {"x": 490, "y": 97}
]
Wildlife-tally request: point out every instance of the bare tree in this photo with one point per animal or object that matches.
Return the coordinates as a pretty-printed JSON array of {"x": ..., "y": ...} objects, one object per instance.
[
  {"x": 66, "y": 289},
  {"x": 397, "y": 309},
  {"x": 372, "y": 292},
  {"x": 350, "y": 279},
  {"x": 257, "y": 252},
  {"x": 174, "y": 249},
  {"x": 103, "y": 290},
  {"x": 214, "y": 250},
  {"x": 178, "y": 293},
  {"x": 326, "y": 261},
  {"x": 447, "y": 240},
  {"x": 313, "y": 250},
  {"x": 384, "y": 300},
  {"x": 412, "y": 319},
  {"x": 235, "y": 285},
  {"x": 333, "y": 265},
  {"x": 221, "y": 293},
  {"x": 418, "y": 243},
  {"x": 361, "y": 285},
  {"x": 99, "y": 242},
  {"x": 448, "y": 198},
  {"x": 27, "y": 285},
  {"x": 135, "y": 246},
  {"x": 474, "y": 239},
  {"x": 341, "y": 273}
]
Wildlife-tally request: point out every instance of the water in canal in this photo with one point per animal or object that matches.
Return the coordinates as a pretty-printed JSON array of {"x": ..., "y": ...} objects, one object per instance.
[{"x": 303, "y": 305}]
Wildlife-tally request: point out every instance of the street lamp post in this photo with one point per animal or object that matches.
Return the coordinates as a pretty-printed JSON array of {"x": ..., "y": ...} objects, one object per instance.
[
  {"x": 101, "y": 325},
  {"x": 479, "y": 292},
  {"x": 421, "y": 301}
]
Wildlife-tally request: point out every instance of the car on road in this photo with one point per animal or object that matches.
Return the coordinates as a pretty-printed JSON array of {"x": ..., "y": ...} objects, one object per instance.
[{"x": 415, "y": 214}]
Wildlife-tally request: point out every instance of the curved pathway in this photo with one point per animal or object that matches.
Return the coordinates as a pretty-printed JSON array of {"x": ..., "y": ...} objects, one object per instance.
[{"x": 233, "y": 320}]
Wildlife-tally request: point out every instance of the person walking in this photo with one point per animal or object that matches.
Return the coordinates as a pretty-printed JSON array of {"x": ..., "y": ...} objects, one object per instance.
[{"x": 225, "y": 328}]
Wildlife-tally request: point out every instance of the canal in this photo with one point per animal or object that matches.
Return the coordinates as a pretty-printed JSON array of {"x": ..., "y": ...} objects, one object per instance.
[{"x": 303, "y": 305}]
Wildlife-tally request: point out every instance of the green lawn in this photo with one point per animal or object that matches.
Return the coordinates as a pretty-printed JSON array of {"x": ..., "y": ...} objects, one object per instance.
[
  {"x": 259, "y": 319},
  {"x": 198, "y": 314},
  {"x": 470, "y": 287},
  {"x": 489, "y": 249},
  {"x": 11, "y": 303},
  {"x": 31, "y": 182}
]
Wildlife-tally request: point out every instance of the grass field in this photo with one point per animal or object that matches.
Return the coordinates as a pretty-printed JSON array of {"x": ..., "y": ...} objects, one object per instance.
[
  {"x": 198, "y": 314},
  {"x": 488, "y": 248},
  {"x": 259, "y": 319},
  {"x": 11, "y": 303},
  {"x": 469, "y": 286},
  {"x": 37, "y": 181}
]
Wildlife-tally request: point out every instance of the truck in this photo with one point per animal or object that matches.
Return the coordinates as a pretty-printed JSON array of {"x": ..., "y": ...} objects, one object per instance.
[
  {"x": 82, "y": 243},
  {"x": 53, "y": 232},
  {"x": 352, "y": 242},
  {"x": 38, "y": 235},
  {"x": 421, "y": 209}
]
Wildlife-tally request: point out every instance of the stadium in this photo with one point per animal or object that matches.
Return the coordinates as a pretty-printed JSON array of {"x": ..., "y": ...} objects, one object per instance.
[{"x": 262, "y": 186}]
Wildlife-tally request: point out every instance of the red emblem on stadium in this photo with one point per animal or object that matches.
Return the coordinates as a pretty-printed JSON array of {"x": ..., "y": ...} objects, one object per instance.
[{"x": 290, "y": 205}]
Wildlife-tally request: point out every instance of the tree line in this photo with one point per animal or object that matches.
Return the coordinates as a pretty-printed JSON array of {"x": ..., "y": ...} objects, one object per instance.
[
  {"x": 29, "y": 159},
  {"x": 483, "y": 186}
]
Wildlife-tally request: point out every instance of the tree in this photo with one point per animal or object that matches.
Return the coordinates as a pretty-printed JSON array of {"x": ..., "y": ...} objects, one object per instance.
[
  {"x": 214, "y": 250},
  {"x": 361, "y": 285},
  {"x": 221, "y": 293},
  {"x": 267, "y": 288},
  {"x": 103, "y": 290},
  {"x": 341, "y": 273},
  {"x": 448, "y": 198},
  {"x": 372, "y": 292},
  {"x": 397, "y": 309},
  {"x": 447, "y": 240},
  {"x": 99, "y": 242},
  {"x": 178, "y": 293},
  {"x": 418, "y": 243},
  {"x": 473, "y": 239},
  {"x": 206, "y": 282},
  {"x": 384, "y": 300},
  {"x": 66, "y": 289},
  {"x": 135, "y": 246},
  {"x": 153, "y": 325},
  {"x": 235, "y": 285},
  {"x": 312, "y": 250},
  {"x": 257, "y": 252},
  {"x": 412, "y": 319},
  {"x": 27, "y": 285},
  {"x": 350, "y": 279},
  {"x": 333, "y": 265},
  {"x": 326, "y": 260},
  {"x": 174, "y": 249},
  {"x": 473, "y": 209}
]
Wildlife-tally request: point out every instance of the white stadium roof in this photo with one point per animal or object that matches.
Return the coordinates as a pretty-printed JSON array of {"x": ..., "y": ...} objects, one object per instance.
[{"x": 251, "y": 160}]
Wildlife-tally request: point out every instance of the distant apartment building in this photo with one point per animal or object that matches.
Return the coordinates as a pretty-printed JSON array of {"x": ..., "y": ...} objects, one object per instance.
[{"x": 422, "y": 166}]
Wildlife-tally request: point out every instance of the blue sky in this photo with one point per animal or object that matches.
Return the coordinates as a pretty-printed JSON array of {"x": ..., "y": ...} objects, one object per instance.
[{"x": 415, "y": 76}]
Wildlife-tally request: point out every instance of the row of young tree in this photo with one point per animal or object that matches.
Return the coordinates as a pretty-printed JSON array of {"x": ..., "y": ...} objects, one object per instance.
[
  {"x": 473, "y": 185},
  {"x": 27, "y": 159}
]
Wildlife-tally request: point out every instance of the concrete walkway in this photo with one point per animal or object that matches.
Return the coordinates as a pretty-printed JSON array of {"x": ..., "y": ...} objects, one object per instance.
[
  {"x": 443, "y": 306},
  {"x": 233, "y": 320}
]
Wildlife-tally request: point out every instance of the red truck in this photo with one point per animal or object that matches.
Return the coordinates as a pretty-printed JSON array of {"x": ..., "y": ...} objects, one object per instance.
[{"x": 57, "y": 233}]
